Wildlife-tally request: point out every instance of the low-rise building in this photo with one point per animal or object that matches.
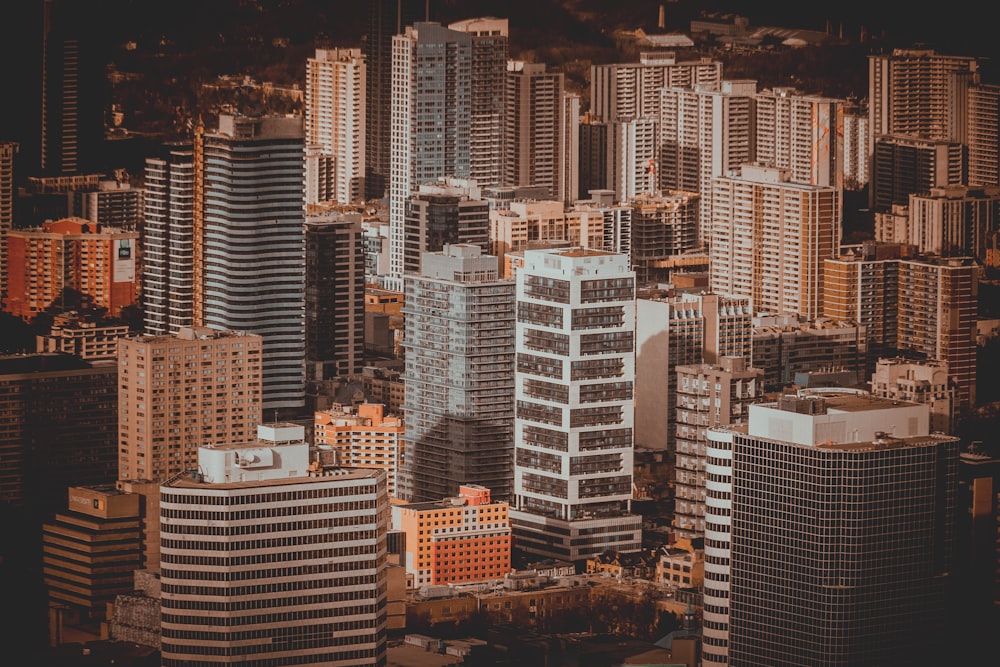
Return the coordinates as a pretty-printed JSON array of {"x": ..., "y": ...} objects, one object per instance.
[{"x": 365, "y": 437}]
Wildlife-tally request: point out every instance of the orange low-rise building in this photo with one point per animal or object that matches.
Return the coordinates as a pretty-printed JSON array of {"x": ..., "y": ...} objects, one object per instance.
[
  {"x": 456, "y": 540},
  {"x": 72, "y": 253},
  {"x": 367, "y": 438}
]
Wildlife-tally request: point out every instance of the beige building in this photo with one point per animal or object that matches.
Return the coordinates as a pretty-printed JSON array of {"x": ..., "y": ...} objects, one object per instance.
[
  {"x": 912, "y": 381},
  {"x": 176, "y": 393},
  {"x": 363, "y": 438},
  {"x": 83, "y": 337}
]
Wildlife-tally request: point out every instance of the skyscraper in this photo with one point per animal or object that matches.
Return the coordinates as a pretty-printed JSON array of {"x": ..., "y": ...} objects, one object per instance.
[
  {"x": 801, "y": 133},
  {"x": 335, "y": 126},
  {"x": 632, "y": 157},
  {"x": 533, "y": 147},
  {"x": 179, "y": 391},
  {"x": 335, "y": 296},
  {"x": 249, "y": 243},
  {"x": 7, "y": 190},
  {"x": 446, "y": 212},
  {"x": 770, "y": 237},
  {"x": 298, "y": 556},
  {"x": 167, "y": 244},
  {"x": 386, "y": 19},
  {"x": 830, "y": 530},
  {"x": 459, "y": 376},
  {"x": 431, "y": 117},
  {"x": 574, "y": 404},
  {"x": 489, "y": 68}
]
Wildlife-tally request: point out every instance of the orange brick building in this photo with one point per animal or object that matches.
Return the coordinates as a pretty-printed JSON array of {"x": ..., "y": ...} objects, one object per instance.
[
  {"x": 73, "y": 253},
  {"x": 456, "y": 540}
]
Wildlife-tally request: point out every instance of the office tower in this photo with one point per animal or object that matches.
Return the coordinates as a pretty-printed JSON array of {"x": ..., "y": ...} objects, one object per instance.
[
  {"x": 801, "y": 133},
  {"x": 72, "y": 113},
  {"x": 674, "y": 329},
  {"x": 431, "y": 116},
  {"x": 386, "y": 19},
  {"x": 632, "y": 153},
  {"x": 335, "y": 126},
  {"x": 449, "y": 211},
  {"x": 937, "y": 317},
  {"x": 7, "y": 191},
  {"x": 663, "y": 228},
  {"x": 113, "y": 202},
  {"x": 335, "y": 296},
  {"x": 983, "y": 135},
  {"x": 94, "y": 263},
  {"x": 593, "y": 171},
  {"x": 856, "y": 157},
  {"x": 167, "y": 242},
  {"x": 365, "y": 437},
  {"x": 64, "y": 431},
  {"x": 632, "y": 90},
  {"x": 574, "y": 410},
  {"x": 90, "y": 550},
  {"x": 955, "y": 221},
  {"x": 705, "y": 131},
  {"x": 913, "y": 381},
  {"x": 250, "y": 271},
  {"x": 708, "y": 396},
  {"x": 84, "y": 335},
  {"x": 570, "y": 154},
  {"x": 902, "y": 166},
  {"x": 830, "y": 531},
  {"x": 490, "y": 38},
  {"x": 179, "y": 391},
  {"x": 770, "y": 237},
  {"x": 459, "y": 351},
  {"x": 785, "y": 346},
  {"x": 533, "y": 142},
  {"x": 464, "y": 538},
  {"x": 299, "y": 573}
]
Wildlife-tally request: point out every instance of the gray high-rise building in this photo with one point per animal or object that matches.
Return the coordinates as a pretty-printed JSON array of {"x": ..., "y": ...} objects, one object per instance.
[
  {"x": 459, "y": 399},
  {"x": 829, "y": 533}
]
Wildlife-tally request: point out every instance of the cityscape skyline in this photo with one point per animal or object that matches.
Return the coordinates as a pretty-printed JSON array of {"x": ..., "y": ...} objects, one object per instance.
[{"x": 327, "y": 330}]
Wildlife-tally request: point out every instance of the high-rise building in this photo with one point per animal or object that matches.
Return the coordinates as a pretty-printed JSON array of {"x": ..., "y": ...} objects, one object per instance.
[
  {"x": 801, "y": 133},
  {"x": 705, "y": 131},
  {"x": 463, "y": 538},
  {"x": 386, "y": 19},
  {"x": 249, "y": 243},
  {"x": 167, "y": 241},
  {"x": 112, "y": 202},
  {"x": 983, "y": 135},
  {"x": 533, "y": 148},
  {"x": 593, "y": 169},
  {"x": 335, "y": 126},
  {"x": 179, "y": 391},
  {"x": 573, "y": 426},
  {"x": 334, "y": 296},
  {"x": 299, "y": 572},
  {"x": 632, "y": 157},
  {"x": 7, "y": 191},
  {"x": 62, "y": 431},
  {"x": 72, "y": 113},
  {"x": 90, "y": 550},
  {"x": 663, "y": 227},
  {"x": 365, "y": 437},
  {"x": 830, "y": 532},
  {"x": 632, "y": 90},
  {"x": 450, "y": 211},
  {"x": 708, "y": 396},
  {"x": 856, "y": 156},
  {"x": 72, "y": 254},
  {"x": 770, "y": 237},
  {"x": 956, "y": 221},
  {"x": 674, "y": 329},
  {"x": 459, "y": 399},
  {"x": 490, "y": 47},
  {"x": 431, "y": 117},
  {"x": 903, "y": 165},
  {"x": 569, "y": 157}
]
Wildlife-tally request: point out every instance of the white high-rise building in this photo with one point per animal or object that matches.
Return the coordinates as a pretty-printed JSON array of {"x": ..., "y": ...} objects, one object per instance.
[
  {"x": 705, "y": 131},
  {"x": 574, "y": 388},
  {"x": 801, "y": 133},
  {"x": 335, "y": 126},
  {"x": 431, "y": 121},
  {"x": 285, "y": 558},
  {"x": 632, "y": 164},
  {"x": 632, "y": 90},
  {"x": 770, "y": 238}
]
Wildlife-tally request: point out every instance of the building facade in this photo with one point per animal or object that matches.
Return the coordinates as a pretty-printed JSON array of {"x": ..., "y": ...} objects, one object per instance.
[
  {"x": 534, "y": 138},
  {"x": 573, "y": 426},
  {"x": 292, "y": 555},
  {"x": 178, "y": 392},
  {"x": 450, "y": 211},
  {"x": 459, "y": 377},
  {"x": 801, "y": 133},
  {"x": 365, "y": 437}
]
